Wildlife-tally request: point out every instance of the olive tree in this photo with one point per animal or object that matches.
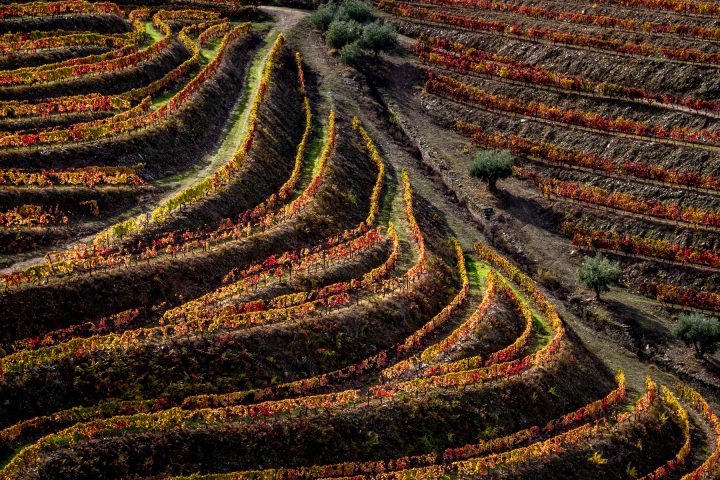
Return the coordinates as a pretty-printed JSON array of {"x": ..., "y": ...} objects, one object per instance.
[
  {"x": 341, "y": 32},
  {"x": 354, "y": 10},
  {"x": 378, "y": 37},
  {"x": 350, "y": 53},
  {"x": 322, "y": 17},
  {"x": 700, "y": 331},
  {"x": 491, "y": 166},
  {"x": 598, "y": 273}
]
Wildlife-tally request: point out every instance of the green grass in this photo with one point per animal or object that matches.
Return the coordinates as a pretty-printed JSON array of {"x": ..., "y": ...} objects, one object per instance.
[
  {"x": 252, "y": 84},
  {"x": 207, "y": 55},
  {"x": 309, "y": 169},
  {"x": 210, "y": 51},
  {"x": 163, "y": 98},
  {"x": 154, "y": 34},
  {"x": 311, "y": 159},
  {"x": 477, "y": 272},
  {"x": 316, "y": 148},
  {"x": 386, "y": 206},
  {"x": 262, "y": 27},
  {"x": 234, "y": 138},
  {"x": 542, "y": 329}
]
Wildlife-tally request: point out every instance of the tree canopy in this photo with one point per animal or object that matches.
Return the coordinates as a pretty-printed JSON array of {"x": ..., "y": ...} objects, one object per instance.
[
  {"x": 355, "y": 10},
  {"x": 350, "y": 53},
  {"x": 351, "y": 27},
  {"x": 491, "y": 166},
  {"x": 342, "y": 32},
  {"x": 322, "y": 17},
  {"x": 700, "y": 331},
  {"x": 378, "y": 37},
  {"x": 598, "y": 273}
]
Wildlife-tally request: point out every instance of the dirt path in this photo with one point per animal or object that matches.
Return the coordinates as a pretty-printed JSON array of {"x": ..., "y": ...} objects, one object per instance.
[{"x": 285, "y": 18}]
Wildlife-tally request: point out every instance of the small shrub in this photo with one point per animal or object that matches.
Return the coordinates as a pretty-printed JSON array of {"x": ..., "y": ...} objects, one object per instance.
[
  {"x": 350, "y": 53},
  {"x": 378, "y": 37},
  {"x": 354, "y": 10},
  {"x": 547, "y": 278},
  {"x": 340, "y": 33},
  {"x": 426, "y": 444},
  {"x": 489, "y": 432},
  {"x": 373, "y": 440},
  {"x": 322, "y": 17}
]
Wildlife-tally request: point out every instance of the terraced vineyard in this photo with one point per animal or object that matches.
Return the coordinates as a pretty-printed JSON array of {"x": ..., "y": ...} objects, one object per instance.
[{"x": 227, "y": 254}]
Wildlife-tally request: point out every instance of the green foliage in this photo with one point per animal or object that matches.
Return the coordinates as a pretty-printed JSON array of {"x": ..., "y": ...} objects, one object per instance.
[
  {"x": 184, "y": 197},
  {"x": 119, "y": 230},
  {"x": 350, "y": 54},
  {"x": 489, "y": 432},
  {"x": 340, "y": 33},
  {"x": 491, "y": 166},
  {"x": 378, "y": 37},
  {"x": 347, "y": 28},
  {"x": 598, "y": 273},
  {"x": 354, "y": 10},
  {"x": 322, "y": 17},
  {"x": 426, "y": 444},
  {"x": 700, "y": 331}
]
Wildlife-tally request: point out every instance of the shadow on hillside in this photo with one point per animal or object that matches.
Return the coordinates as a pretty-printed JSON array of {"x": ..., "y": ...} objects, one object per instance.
[{"x": 529, "y": 210}]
